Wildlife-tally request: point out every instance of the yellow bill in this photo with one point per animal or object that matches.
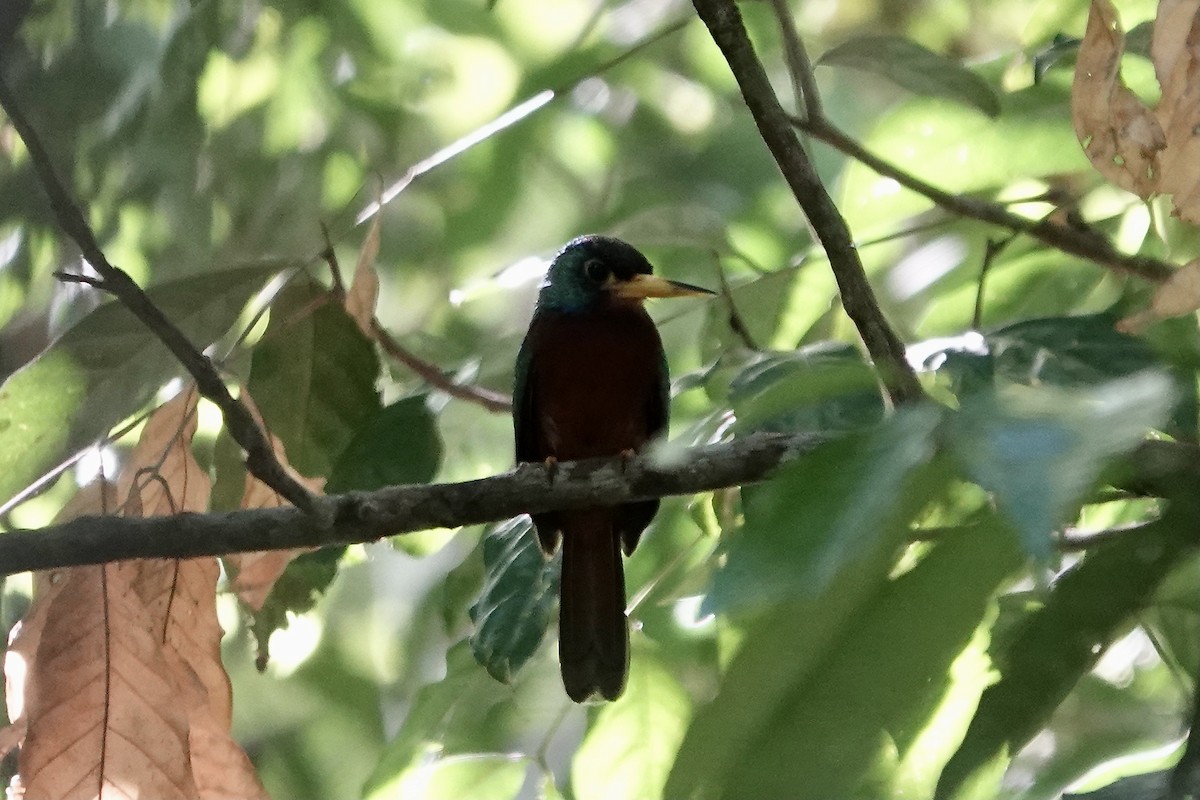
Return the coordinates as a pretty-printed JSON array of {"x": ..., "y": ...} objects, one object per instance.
[{"x": 641, "y": 286}]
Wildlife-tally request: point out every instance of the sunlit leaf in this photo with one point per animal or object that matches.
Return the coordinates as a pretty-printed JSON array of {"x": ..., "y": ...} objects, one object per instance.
[
  {"x": 105, "y": 368},
  {"x": 813, "y": 725},
  {"x": 629, "y": 748},
  {"x": 464, "y": 695},
  {"x": 1086, "y": 608},
  {"x": 1040, "y": 451},
  {"x": 486, "y": 776},
  {"x": 916, "y": 68},
  {"x": 960, "y": 150},
  {"x": 827, "y": 509}
]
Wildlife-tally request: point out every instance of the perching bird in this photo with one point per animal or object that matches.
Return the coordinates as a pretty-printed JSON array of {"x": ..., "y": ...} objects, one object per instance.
[{"x": 591, "y": 381}]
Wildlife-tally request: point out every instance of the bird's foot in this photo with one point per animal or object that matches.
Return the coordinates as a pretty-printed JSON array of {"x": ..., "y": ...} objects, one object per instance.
[
  {"x": 551, "y": 469},
  {"x": 627, "y": 455}
]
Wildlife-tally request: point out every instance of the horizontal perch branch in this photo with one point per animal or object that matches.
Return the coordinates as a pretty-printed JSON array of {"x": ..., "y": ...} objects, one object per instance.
[{"x": 366, "y": 516}]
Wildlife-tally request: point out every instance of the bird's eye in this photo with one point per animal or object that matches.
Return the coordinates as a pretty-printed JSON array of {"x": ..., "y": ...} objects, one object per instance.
[{"x": 596, "y": 270}]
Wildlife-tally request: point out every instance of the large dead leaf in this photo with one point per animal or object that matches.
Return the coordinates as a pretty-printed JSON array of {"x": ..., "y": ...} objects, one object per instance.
[
  {"x": 156, "y": 661},
  {"x": 98, "y": 497},
  {"x": 103, "y": 715},
  {"x": 1146, "y": 152},
  {"x": 1176, "y": 52},
  {"x": 1120, "y": 135}
]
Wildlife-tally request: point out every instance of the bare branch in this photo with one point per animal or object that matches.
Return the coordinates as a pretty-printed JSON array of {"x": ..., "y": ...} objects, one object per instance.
[
  {"x": 367, "y": 516},
  {"x": 259, "y": 458},
  {"x": 724, "y": 22}
]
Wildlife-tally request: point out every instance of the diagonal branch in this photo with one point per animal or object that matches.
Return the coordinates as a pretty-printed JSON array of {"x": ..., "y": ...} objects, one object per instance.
[
  {"x": 724, "y": 22},
  {"x": 259, "y": 458},
  {"x": 433, "y": 375},
  {"x": 367, "y": 516},
  {"x": 1083, "y": 243}
]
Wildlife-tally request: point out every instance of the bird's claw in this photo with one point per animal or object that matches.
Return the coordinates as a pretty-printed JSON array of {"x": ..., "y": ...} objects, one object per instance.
[
  {"x": 627, "y": 456},
  {"x": 551, "y": 469}
]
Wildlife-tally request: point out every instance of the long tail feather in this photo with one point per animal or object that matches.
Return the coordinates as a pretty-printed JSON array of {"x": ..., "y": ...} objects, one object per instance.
[{"x": 593, "y": 637}]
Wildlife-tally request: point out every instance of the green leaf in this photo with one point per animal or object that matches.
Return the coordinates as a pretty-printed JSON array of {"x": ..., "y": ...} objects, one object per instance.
[
  {"x": 107, "y": 367},
  {"x": 821, "y": 387},
  {"x": 462, "y": 698},
  {"x": 396, "y": 445},
  {"x": 915, "y": 68},
  {"x": 480, "y": 776},
  {"x": 866, "y": 666},
  {"x": 1039, "y": 451},
  {"x": 520, "y": 592},
  {"x": 313, "y": 377},
  {"x": 629, "y": 747},
  {"x": 828, "y": 509},
  {"x": 296, "y": 591},
  {"x": 959, "y": 150},
  {"x": 1067, "y": 351},
  {"x": 1087, "y": 608}
]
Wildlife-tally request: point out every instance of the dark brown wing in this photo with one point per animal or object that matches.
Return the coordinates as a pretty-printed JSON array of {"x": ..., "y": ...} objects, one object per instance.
[
  {"x": 632, "y": 518},
  {"x": 525, "y": 426}
]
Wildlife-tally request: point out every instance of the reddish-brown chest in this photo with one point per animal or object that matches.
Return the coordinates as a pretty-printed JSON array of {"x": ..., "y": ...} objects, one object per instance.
[{"x": 596, "y": 382}]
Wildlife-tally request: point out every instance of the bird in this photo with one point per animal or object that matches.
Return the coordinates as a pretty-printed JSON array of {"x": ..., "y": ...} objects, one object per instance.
[{"x": 591, "y": 380}]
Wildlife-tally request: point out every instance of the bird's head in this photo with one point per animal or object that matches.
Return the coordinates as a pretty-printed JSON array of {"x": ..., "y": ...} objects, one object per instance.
[{"x": 594, "y": 271}]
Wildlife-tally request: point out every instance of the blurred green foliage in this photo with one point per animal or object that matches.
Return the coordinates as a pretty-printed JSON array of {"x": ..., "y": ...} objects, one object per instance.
[{"x": 897, "y": 602}]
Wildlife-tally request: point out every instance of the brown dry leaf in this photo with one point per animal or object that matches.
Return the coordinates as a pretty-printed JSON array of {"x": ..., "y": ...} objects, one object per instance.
[
  {"x": 10, "y": 736},
  {"x": 1120, "y": 135},
  {"x": 1178, "y": 295},
  {"x": 104, "y": 719},
  {"x": 180, "y": 597},
  {"x": 364, "y": 287},
  {"x": 254, "y": 574},
  {"x": 1176, "y": 51},
  {"x": 1171, "y": 25},
  {"x": 136, "y": 645},
  {"x": 96, "y": 498}
]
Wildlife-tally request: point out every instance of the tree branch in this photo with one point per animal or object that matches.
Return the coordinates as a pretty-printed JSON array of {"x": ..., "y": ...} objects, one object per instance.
[
  {"x": 1155, "y": 468},
  {"x": 433, "y": 375},
  {"x": 260, "y": 459},
  {"x": 1083, "y": 243},
  {"x": 724, "y": 22},
  {"x": 367, "y": 516}
]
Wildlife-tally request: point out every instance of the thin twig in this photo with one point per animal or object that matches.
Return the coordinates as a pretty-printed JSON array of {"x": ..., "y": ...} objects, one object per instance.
[
  {"x": 335, "y": 270},
  {"x": 992, "y": 249},
  {"x": 75, "y": 277},
  {"x": 736, "y": 323},
  {"x": 1083, "y": 243},
  {"x": 433, "y": 375},
  {"x": 804, "y": 82},
  {"x": 260, "y": 460},
  {"x": 724, "y": 22}
]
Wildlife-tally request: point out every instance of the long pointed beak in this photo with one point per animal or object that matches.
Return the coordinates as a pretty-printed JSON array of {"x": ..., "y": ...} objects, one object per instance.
[{"x": 641, "y": 286}]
